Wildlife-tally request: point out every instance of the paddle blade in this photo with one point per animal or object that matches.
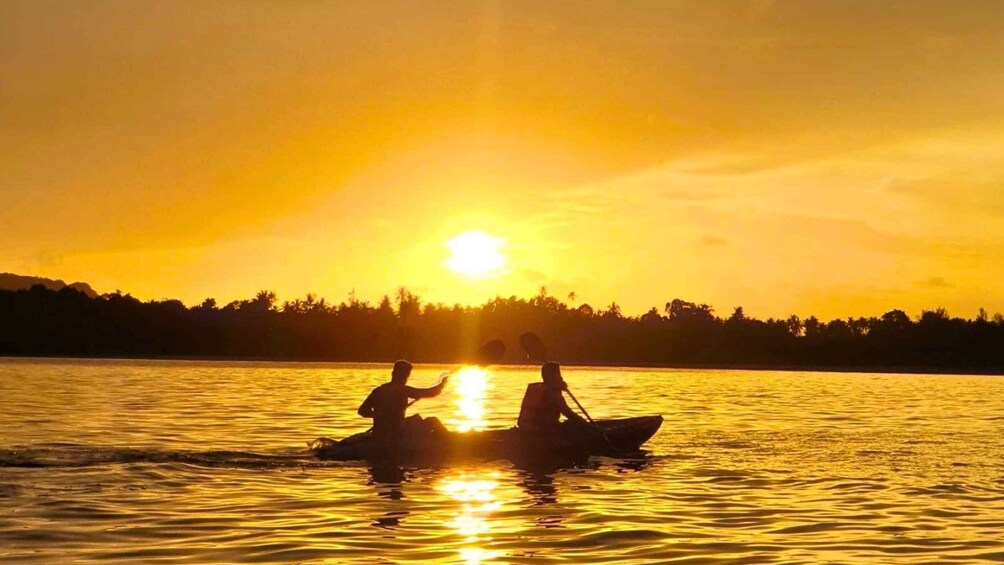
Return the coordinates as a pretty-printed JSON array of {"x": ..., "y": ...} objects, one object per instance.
[
  {"x": 490, "y": 353},
  {"x": 533, "y": 346}
]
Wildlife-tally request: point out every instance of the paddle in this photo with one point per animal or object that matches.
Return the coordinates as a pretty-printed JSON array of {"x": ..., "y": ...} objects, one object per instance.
[
  {"x": 537, "y": 351},
  {"x": 488, "y": 354}
]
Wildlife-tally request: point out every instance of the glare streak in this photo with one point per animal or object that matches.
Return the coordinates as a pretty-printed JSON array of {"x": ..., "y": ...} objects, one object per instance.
[
  {"x": 471, "y": 385},
  {"x": 479, "y": 501}
]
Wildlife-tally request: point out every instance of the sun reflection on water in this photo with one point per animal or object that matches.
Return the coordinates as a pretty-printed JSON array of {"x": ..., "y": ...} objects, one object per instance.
[
  {"x": 478, "y": 501},
  {"x": 470, "y": 386},
  {"x": 476, "y": 493}
]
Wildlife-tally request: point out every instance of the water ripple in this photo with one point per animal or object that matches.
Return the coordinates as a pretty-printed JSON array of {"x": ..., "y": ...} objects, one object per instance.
[{"x": 204, "y": 462}]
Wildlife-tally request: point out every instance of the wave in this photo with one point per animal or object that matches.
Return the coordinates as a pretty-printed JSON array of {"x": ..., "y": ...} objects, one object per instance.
[
  {"x": 75, "y": 455},
  {"x": 78, "y": 455}
]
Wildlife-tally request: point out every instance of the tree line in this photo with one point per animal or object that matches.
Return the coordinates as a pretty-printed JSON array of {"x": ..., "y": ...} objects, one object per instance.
[{"x": 44, "y": 322}]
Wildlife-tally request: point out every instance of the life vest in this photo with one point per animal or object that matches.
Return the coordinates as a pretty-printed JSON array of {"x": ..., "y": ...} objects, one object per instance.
[{"x": 536, "y": 412}]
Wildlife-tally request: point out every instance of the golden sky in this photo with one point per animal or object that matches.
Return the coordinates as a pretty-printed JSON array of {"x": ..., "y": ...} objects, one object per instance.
[{"x": 837, "y": 158}]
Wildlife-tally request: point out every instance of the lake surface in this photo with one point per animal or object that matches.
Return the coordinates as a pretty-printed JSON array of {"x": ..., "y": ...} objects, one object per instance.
[{"x": 157, "y": 461}]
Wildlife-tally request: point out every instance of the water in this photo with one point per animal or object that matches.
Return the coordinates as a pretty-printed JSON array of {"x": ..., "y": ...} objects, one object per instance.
[{"x": 159, "y": 461}]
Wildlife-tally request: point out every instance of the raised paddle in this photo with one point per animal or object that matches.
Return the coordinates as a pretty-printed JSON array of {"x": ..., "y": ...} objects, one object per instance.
[
  {"x": 537, "y": 351},
  {"x": 488, "y": 354},
  {"x": 534, "y": 347}
]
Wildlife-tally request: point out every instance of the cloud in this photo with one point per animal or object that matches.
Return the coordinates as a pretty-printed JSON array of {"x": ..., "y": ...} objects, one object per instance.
[
  {"x": 532, "y": 275},
  {"x": 937, "y": 282},
  {"x": 44, "y": 258},
  {"x": 974, "y": 191}
]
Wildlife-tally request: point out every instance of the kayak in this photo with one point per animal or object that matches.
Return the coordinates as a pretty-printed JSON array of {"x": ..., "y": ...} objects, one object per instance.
[{"x": 618, "y": 437}]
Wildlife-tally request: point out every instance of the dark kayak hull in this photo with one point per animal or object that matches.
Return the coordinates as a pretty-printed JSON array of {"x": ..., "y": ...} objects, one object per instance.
[{"x": 620, "y": 436}]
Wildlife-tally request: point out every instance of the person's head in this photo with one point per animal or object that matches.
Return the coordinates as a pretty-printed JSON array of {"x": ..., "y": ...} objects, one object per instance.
[
  {"x": 401, "y": 372},
  {"x": 551, "y": 373}
]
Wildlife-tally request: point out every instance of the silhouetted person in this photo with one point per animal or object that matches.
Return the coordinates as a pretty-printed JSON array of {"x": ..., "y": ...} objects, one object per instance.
[
  {"x": 388, "y": 402},
  {"x": 544, "y": 405}
]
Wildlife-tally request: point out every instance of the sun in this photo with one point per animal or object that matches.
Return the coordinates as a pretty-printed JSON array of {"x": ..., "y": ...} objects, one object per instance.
[{"x": 476, "y": 254}]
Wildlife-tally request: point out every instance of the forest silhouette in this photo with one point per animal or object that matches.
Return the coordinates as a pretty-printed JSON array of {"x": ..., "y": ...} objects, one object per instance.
[{"x": 43, "y": 322}]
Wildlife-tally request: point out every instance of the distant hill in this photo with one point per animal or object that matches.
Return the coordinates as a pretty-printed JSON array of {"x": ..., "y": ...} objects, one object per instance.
[{"x": 10, "y": 281}]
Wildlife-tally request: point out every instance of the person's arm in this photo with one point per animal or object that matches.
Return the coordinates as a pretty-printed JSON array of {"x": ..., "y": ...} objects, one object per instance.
[
  {"x": 366, "y": 408},
  {"x": 430, "y": 392},
  {"x": 566, "y": 411}
]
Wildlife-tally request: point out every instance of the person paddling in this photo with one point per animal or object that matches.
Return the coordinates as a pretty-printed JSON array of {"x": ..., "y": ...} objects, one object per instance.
[
  {"x": 543, "y": 403},
  {"x": 387, "y": 405}
]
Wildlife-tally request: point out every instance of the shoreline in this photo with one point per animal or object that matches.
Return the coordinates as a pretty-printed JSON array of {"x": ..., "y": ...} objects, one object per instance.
[{"x": 891, "y": 370}]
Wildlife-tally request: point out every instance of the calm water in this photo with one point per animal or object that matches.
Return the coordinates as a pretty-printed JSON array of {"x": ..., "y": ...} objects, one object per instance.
[{"x": 183, "y": 461}]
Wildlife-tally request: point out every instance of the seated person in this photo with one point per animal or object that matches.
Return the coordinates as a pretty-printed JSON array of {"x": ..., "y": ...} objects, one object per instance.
[
  {"x": 543, "y": 403},
  {"x": 388, "y": 403}
]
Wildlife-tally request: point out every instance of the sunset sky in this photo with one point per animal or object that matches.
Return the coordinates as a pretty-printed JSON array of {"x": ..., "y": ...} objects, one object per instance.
[{"x": 832, "y": 158}]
